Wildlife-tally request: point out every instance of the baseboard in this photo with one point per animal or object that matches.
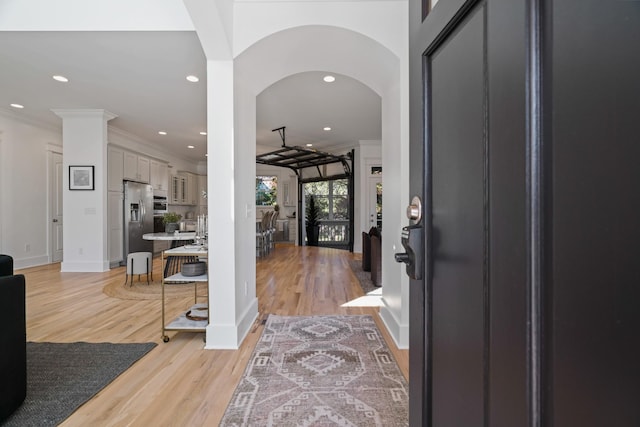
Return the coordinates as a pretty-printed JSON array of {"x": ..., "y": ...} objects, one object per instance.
[
  {"x": 230, "y": 336},
  {"x": 84, "y": 267},
  {"x": 399, "y": 332},
  {"x": 19, "y": 263}
]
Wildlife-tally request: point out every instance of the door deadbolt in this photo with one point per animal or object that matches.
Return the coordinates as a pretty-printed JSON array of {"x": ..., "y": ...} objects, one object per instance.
[{"x": 414, "y": 210}]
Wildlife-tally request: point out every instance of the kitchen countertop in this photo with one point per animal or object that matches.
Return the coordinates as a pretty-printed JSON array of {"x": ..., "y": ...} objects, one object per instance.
[{"x": 170, "y": 236}]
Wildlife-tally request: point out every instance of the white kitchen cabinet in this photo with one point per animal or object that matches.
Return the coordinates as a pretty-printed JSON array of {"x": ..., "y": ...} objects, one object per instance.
[
  {"x": 115, "y": 169},
  {"x": 159, "y": 175},
  {"x": 191, "y": 198},
  {"x": 202, "y": 188},
  {"x": 115, "y": 202},
  {"x": 293, "y": 229},
  {"x": 184, "y": 189},
  {"x": 178, "y": 190},
  {"x": 136, "y": 168}
]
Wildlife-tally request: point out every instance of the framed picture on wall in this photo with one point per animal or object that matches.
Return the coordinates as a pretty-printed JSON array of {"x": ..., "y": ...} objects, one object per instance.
[{"x": 81, "y": 178}]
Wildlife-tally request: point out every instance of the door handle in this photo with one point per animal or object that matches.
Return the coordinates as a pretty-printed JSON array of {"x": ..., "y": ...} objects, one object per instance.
[
  {"x": 412, "y": 241},
  {"x": 55, "y": 220}
]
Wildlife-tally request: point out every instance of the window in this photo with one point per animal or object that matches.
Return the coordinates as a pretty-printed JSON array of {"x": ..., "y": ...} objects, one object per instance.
[
  {"x": 266, "y": 190},
  {"x": 332, "y": 198}
]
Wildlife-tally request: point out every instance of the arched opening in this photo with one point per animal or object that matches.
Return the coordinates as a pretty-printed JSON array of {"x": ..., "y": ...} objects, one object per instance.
[{"x": 324, "y": 48}]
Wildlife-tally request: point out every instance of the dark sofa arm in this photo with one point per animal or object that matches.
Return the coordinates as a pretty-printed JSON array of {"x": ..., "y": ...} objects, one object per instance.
[
  {"x": 13, "y": 344},
  {"x": 6, "y": 265}
]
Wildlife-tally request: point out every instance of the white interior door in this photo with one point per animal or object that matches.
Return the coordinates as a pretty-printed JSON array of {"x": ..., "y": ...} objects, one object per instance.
[{"x": 56, "y": 207}]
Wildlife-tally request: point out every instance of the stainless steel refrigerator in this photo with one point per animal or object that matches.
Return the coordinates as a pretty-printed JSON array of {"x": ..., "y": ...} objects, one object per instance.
[{"x": 138, "y": 217}]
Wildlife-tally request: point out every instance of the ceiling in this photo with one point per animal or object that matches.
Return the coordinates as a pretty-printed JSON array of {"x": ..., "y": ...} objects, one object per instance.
[{"x": 141, "y": 77}]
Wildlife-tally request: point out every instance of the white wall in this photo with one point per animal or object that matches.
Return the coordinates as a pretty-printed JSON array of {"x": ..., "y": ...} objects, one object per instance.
[
  {"x": 24, "y": 181},
  {"x": 85, "y": 212}
]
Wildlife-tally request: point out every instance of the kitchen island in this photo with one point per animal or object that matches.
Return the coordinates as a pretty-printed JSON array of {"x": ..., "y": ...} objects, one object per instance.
[
  {"x": 176, "y": 238},
  {"x": 173, "y": 264}
]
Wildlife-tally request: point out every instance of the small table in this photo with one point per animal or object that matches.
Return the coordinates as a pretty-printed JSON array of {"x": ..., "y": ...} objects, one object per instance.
[{"x": 185, "y": 322}]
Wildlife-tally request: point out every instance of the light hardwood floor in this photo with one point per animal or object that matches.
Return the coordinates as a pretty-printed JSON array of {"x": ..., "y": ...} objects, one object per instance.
[{"x": 179, "y": 383}]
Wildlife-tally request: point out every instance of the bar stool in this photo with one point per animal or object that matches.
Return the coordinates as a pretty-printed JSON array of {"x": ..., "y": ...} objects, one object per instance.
[
  {"x": 262, "y": 234},
  {"x": 139, "y": 263}
]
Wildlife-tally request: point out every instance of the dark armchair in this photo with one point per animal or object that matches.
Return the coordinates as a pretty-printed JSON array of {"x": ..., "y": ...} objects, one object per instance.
[
  {"x": 13, "y": 339},
  {"x": 366, "y": 247},
  {"x": 376, "y": 260}
]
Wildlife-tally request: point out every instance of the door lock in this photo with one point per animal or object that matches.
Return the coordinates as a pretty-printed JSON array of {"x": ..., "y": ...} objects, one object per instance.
[
  {"x": 412, "y": 243},
  {"x": 414, "y": 210}
]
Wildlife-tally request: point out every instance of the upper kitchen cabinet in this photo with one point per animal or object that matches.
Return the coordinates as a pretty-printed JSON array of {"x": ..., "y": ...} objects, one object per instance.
[
  {"x": 115, "y": 169},
  {"x": 202, "y": 188},
  {"x": 184, "y": 189},
  {"x": 192, "y": 189},
  {"x": 159, "y": 176},
  {"x": 136, "y": 168},
  {"x": 178, "y": 189}
]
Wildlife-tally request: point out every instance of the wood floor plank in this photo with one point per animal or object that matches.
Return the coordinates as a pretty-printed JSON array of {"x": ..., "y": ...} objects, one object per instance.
[{"x": 179, "y": 383}]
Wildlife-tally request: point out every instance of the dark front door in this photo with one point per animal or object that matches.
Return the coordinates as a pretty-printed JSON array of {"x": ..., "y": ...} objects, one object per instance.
[
  {"x": 522, "y": 151},
  {"x": 474, "y": 347}
]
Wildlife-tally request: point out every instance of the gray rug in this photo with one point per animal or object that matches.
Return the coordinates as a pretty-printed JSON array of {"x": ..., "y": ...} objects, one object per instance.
[
  {"x": 320, "y": 371},
  {"x": 63, "y": 376},
  {"x": 364, "y": 277}
]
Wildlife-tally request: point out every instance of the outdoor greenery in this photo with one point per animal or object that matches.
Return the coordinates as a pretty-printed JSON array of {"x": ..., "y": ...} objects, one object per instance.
[
  {"x": 266, "y": 190},
  {"x": 331, "y": 198}
]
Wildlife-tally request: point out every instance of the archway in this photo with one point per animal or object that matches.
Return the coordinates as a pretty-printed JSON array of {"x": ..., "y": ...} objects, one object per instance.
[{"x": 327, "y": 48}]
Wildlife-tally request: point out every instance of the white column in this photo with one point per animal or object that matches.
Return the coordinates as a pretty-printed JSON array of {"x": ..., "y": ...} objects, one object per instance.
[
  {"x": 231, "y": 310},
  {"x": 84, "y": 139}
]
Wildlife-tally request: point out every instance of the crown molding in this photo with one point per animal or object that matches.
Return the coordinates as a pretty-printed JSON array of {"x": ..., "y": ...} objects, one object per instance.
[{"x": 11, "y": 114}]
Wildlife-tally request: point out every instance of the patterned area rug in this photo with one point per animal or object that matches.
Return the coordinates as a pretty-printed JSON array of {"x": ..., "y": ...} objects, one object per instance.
[
  {"x": 320, "y": 371},
  {"x": 364, "y": 277}
]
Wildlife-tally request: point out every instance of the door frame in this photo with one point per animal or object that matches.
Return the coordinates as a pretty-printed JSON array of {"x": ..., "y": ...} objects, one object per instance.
[
  {"x": 51, "y": 153},
  {"x": 372, "y": 200}
]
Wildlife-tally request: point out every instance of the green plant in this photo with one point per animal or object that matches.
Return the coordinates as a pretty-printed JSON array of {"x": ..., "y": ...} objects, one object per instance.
[
  {"x": 312, "y": 214},
  {"x": 171, "y": 217}
]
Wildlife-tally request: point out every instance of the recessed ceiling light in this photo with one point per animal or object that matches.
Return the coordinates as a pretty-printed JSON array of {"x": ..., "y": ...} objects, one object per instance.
[
  {"x": 309, "y": 145},
  {"x": 329, "y": 79},
  {"x": 193, "y": 79},
  {"x": 162, "y": 132},
  {"x": 203, "y": 133},
  {"x": 59, "y": 78},
  {"x": 190, "y": 146},
  {"x": 326, "y": 128},
  {"x": 17, "y": 105}
]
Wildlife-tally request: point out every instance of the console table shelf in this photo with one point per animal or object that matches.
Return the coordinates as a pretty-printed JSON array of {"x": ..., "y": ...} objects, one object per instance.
[{"x": 182, "y": 322}]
